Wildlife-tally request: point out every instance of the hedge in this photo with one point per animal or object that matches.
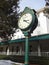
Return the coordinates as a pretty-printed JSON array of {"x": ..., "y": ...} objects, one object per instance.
[{"x": 32, "y": 59}]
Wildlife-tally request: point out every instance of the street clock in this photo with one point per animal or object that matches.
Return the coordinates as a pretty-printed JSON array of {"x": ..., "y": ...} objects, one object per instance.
[
  {"x": 27, "y": 23},
  {"x": 28, "y": 20}
]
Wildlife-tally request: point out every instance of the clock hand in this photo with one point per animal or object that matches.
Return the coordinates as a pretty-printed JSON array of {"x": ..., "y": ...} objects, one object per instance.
[{"x": 26, "y": 21}]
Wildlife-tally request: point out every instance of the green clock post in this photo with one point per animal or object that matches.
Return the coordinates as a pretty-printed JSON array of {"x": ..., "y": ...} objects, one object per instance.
[
  {"x": 26, "y": 48},
  {"x": 27, "y": 23}
]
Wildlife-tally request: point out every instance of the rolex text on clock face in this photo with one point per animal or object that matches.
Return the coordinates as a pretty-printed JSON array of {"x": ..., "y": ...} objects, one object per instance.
[{"x": 25, "y": 21}]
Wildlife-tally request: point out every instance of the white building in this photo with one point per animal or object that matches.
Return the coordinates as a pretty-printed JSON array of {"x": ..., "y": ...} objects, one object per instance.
[{"x": 43, "y": 22}]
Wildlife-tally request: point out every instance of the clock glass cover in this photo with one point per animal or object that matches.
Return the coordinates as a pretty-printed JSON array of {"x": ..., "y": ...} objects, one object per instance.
[{"x": 25, "y": 21}]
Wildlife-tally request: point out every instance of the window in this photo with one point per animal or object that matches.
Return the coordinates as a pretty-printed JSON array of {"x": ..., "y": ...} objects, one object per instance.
[
  {"x": 30, "y": 48},
  {"x": 6, "y": 48},
  {"x": 17, "y": 49},
  {"x": 12, "y": 48},
  {"x": 1, "y": 49}
]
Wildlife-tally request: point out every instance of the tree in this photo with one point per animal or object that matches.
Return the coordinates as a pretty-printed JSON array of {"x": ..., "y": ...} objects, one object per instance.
[
  {"x": 47, "y": 2},
  {"x": 8, "y": 17},
  {"x": 47, "y": 8}
]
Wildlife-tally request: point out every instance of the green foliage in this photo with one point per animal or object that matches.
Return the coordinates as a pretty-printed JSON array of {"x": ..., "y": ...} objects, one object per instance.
[
  {"x": 32, "y": 59},
  {"x": 46, "y": 10},
  {"x": 47, "y": 2},
  {"x": 8, "y": 16},
  {"x": 44, "y": 61}
]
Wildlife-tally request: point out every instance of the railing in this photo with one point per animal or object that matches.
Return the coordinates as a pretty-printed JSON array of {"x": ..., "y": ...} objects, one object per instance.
[
  {"x": 44, "y": 53},
  {"x": 30, "y": 53},
  {"x": 22, "y": 53},
  {"x": 3, "y": 53}
]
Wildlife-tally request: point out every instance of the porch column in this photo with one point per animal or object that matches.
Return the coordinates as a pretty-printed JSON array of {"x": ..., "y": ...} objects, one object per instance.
[
  {"x": 8, "y": 51},
  {"x": 20, "y": 50},
  {"x": 39, "y": 53}
]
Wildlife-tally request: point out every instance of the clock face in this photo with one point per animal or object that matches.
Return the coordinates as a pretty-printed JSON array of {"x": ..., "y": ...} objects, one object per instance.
[{"x": 25, "y": 21}]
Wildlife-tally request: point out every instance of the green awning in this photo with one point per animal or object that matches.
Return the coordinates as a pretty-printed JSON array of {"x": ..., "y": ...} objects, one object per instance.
[{"x": 39, "y": 37}]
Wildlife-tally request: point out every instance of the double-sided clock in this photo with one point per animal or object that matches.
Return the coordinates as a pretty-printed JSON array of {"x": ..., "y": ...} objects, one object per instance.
[{"x": 27, "y": 20}]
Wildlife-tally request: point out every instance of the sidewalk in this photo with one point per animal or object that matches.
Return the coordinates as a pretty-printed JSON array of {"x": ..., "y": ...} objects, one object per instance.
[{"x": 8, "y": 62}]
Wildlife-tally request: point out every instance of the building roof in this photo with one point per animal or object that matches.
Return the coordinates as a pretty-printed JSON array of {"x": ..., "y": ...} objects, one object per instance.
[
  {"x": 42, "y": 9},
  {"x": 39, "y": 37}
]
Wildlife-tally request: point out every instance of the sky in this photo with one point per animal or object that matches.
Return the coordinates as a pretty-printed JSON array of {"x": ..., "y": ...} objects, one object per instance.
[{"x": 33, "y": 4}]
